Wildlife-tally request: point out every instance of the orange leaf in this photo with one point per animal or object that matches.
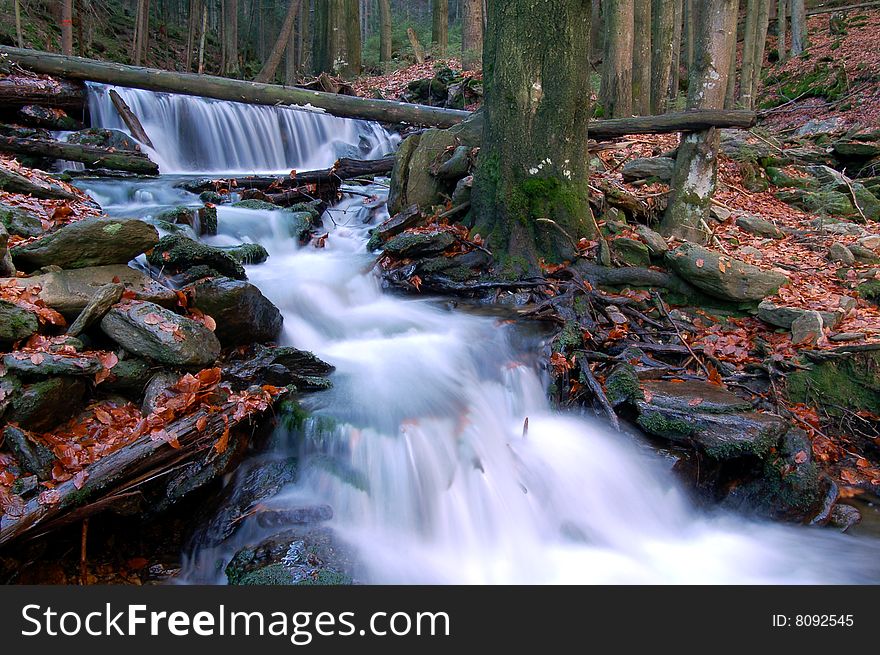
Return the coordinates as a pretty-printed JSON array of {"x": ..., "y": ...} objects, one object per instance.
[{"x": 700, "y": 263}]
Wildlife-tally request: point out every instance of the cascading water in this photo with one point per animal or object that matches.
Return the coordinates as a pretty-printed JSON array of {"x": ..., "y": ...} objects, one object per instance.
[
  {"x": 199, "y": 135},
  {"x": 420, "y": 446}
]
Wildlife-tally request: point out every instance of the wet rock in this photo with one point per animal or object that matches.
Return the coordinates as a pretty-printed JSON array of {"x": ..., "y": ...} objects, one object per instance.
[
  {"x": 841, "y": 254},
  {"x": 750, "y": 251},
  {"x": 622, "y": 385},
  {"x": 26, "y": 486},
  {"x": 399, "y": 174},
  {"x": 758, "y": 226},
  {"x": 458, "y": 268},
  {"x": 258, "y": 205},
  {"x": 249, "y": 253},
  {"x": 630, "y": 252},
  {"x": 212, "y": 197},
  {"x": 69, "y": 292},
  {"x": 150, "y": 331},
  {"x": 16, "y": 323},
  {"x": 279, "y": 366},
  {"x": 155, "y": 389},
  {"x": 303, "y": 555},
  {"x": 400, "y": 222},
  {"x": 105, "y": 297},
  {"x": 41, "y": 365},
  {"x": 176, "y": 253},
  {"x": 129, "y": 376},
  {"x": 89, "y": 242},
  {"x": 34, "y": 456},
  {"x": 694, "y": 396},
  {"x": 723, "y": 277},
  {"x": 242, "y": 313},
  {"x": 278, "y": 518},
  {"x": 463, "y": 191},
  {"x": 50, "y": 118},
  {"x": 299, "y": 225},
  {"x": 181, "y": 215},
  {"x": 783, "y": 317},
  {"x": 657, "y": 245},
  {"x": 807, "y": 328},
  {"x": 646, "y": 168},
  {"x": 10, "y": 387},
  {"x": 845, "y": 516},
  {"x": 19, "y": 221},
  {"x": 104, "y": 138},
  {"x": 45, "y": 404},
  {"x": 207, "y": 220},
  {"x": 419, "y": 244}
]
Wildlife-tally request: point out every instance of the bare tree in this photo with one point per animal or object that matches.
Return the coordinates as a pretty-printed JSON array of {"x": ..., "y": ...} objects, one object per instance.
[
  {"x": 641, "y": 57},
  {"x": 663, "y": 17},
  {"x": 230, "y": 40},
  {"x": 267, "y": 73},
  {"x": 781, "y": 25},
  {"x": 18, "y": 34},
  {"x": 472, "y": 34},
  {"x": 385, "y": 31},
  {"x": 66, "y": 27},
  {"x": 798, "y": 27},
  {"x": 748, "y": 57},
  {"x": 696, "y": 165},
  {"x": 616, "y": 90}
]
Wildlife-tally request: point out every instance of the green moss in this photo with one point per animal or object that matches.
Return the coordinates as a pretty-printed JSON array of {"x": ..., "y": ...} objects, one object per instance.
[
  {"x": 569, "y": 338},
  {"x": 326, "y": 577},
  {"x": 256, "y": 204},
  {"x": 778, "y": 177},
  {"x": 178, "y": 215},
  {"x": 657, "y": 424},
  {"x": 622, "y": 385},
  {"x": 851, "y": 382},
  {"x": 248, "y": 253},
  {"x": 274, "y": 574},
  {"x": 824, "y": 81},
  {"x": 870, "y": 290}
]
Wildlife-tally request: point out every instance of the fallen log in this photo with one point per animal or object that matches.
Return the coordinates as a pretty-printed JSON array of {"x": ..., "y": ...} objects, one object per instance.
[
  {"x": 19, "y": 91},
  {"x": 112, "y": 475},
  {"x": 131, "y": 121},
  {"x": 91, "y": 156},
  {"x": 14, "y": 183},
  {"x": 80, "y": 68},
  {"x": 682, "y": 121}
]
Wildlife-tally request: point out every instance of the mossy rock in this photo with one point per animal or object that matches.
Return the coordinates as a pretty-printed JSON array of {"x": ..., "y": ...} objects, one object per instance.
[
  {"x": 177, "y": 253},
  {"x": 850, "y": 380},
  {"x": 207, "y": 220},
  {"x": 622, "y": 385},
  {"x": 212, "y": 197},
  {"x": 43, "y": 405},
  {"x": 16, "y": 323},
  {"x": 419, "y": 244},
  {"x": 631, "y": 252},
  {"x": 828, "y": 203},
  {"x": 181, "y": 215},
  {"x": 779, "y": 178},
  {"x": 256, "y": 204},
  {"x": 248, "y": 253},
  {"x": 19, "y": 221},
  {"x": 870, "y": 290}
]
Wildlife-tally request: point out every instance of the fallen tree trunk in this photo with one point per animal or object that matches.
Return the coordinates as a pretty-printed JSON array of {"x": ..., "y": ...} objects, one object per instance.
[
  {"x": 128, "y": 117},
  {"x": 91, "y": 156},
  {"x": 343, "y": 169},
  {"x": 20, "y": 91},
  {"x": 112, "y": 476},
  {"x": 682, "y": 121},
  {"x": 14, "y": 183},
  {"x": 220, "y": 88}
]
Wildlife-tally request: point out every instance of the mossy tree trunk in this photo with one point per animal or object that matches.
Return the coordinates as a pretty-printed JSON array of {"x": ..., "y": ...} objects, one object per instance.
[
  {"x": 663, "y": 17},
  {"x": 641, "y": 57},
  {"x": 696, "y": 165},
  {"x": 616, "y": 87},
  {"x": 531, "y": 198},
  {"x": 472, "y": 34}
]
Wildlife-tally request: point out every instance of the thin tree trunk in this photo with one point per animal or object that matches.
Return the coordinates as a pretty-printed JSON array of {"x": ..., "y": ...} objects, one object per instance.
[
  {"x": 268, "y": 71},
  {"x": 663, "y": 15},
  {"x": 440, "y": 27},
  {"x": 760, "y": 47},
  {"x": 385, "y": 31},
  {"x": 675, "y": 74},
  {"x": 597, "y": 30},
  {"x": 18, "y": 34},
  {"x": 617, "y": 61},
  {"x": 472, "y": 34},
  {"x": 531, "y": 184},
  {"x": 67, "y": 27},
  {"x": 202, "y": 39},
  {"x": 192, "y": 22},
  {"x": 144, "y": 32},
  {"x": 305, "y": 58},
  {"x": 750, "y": 36},
  {"x": 322, "y": 58},
  {"x": 696, "y": 165},
  {"x": 418, "y": 50},
  {"x": 730, "y": 92},
  {"x": 781, "y": 29},
  {"x": 291, "y": 55},
  {"x": 641, "y": 57},
  {"x": 798, "y": 27},
  {"x": 230, "y": 42}
]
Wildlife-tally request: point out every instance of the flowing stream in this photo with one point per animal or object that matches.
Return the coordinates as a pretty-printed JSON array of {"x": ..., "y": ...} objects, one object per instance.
[{"x": 420, "y": 446}]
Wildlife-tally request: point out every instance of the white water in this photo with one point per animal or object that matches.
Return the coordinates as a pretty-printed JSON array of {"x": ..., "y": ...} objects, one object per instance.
[
  {"x": 199, "y": 135},
  {"x": 425, "y": 463}
]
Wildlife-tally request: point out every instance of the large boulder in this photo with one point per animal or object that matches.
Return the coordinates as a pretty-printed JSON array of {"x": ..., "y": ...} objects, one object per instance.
[
  {"x": 242, "y": 313},
  {"x": 151, "y": 331},
  {"x": 722, "y": 276},
  {"x": 89, "y": 242},
  {"x": 16, "y": 322},
  {"x": 70, "y": 291},
  {"x": 177, "y": 253}
]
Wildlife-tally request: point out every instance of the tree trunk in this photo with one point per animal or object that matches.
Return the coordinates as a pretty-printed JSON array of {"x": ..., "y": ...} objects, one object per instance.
[
  {"x": 20, "y": 91},
  {"x": 267, "y": 73},
  {"x": 67, "y": 27},
  {"x": 730, "y": 99},
  {"x": 230, "y": 41},
  {"x": 675, "y": 73},
  {"x": 472, "y": 34},
  {"x": 19, "y": 38},
  {"x": 616, "y": 91},
  {"x": 641, "y": 58},
  {"x": 93, "y": 157},
  {"x": 682, "y": 121},
  {"x": 760, "y": 47},
  {"x": 689, "y": 33},
  {"x": 798, "y": 27},
  {"x": 750, "y": 37},
  {"x": 291, "y": 54},
  {"x": 597, "y": 30},
  {"x": 440, "y": 27},
  {"x": 418, "y": 50},
  {"x": 663, "y": 14},
  {"x": 696, "y": 165},
  {"x": 385, "y": 31},
  {"x": 531, "y": 198},
  {"x": 202, "y": 39},
  {"x": 322, "y": 55},
  {"x": 192, "y": 28},
  {"x": 781, "y": 29},
  {"x": 223, "y": 88},
  {"x": 352, "y": 24},
  {"x": 128, "y": 117}
]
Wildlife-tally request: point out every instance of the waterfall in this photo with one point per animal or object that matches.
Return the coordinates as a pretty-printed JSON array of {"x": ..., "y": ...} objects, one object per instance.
[{"x": 199, "y": 135}]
